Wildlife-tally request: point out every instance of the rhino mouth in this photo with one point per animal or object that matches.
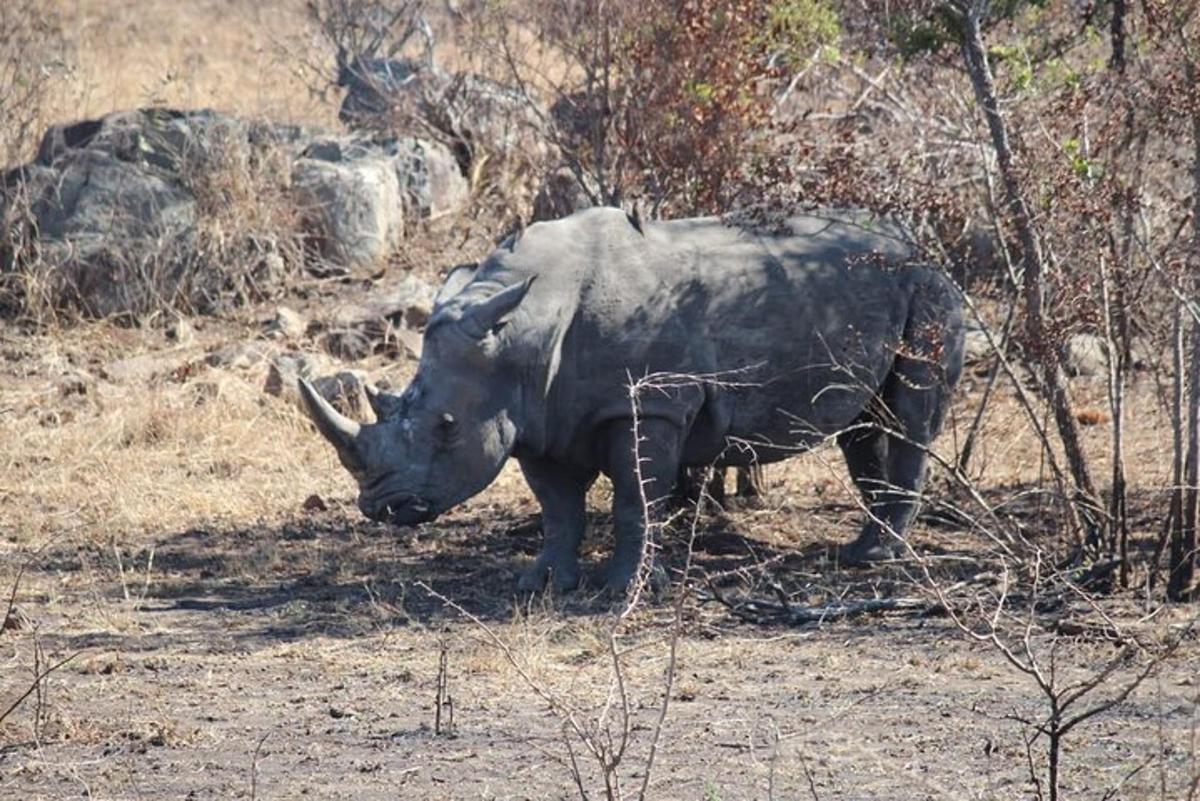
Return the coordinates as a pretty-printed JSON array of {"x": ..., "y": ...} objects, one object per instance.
[{"x": 400, "y": 510}]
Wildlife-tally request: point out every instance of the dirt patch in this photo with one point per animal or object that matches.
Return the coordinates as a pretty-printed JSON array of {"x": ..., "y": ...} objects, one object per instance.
[{"x": 237, "y": 639}]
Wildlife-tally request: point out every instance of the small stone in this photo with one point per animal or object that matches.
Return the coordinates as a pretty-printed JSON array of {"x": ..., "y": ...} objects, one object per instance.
[
  {"x": 287, "y": 324},
  {"x": 348, "y": 344},
  {"x": 314, "y": 503},
  {"x": 285, "y": 373},
  {"x": 976, "y": 346},
  {"x": 15, "y": 620},
  {"x": 237, "y": 356},
  {"x": 1086, "y": 355},
  {"x": 181, "y": 332}
]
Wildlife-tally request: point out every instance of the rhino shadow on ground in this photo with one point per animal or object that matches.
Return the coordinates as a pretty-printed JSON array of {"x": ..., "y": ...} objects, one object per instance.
[
  {"x": 327, "y": 574},
  {"x": 330, "y": 574}
]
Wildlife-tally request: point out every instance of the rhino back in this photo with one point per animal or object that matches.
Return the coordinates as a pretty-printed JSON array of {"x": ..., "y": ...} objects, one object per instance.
[{"x": 798, "y": 329}]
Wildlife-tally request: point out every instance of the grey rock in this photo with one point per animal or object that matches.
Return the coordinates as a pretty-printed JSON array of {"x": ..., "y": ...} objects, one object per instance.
[
  {"x": 430, "y": 180},
  {"x": 238, "y": 356},
  {"x": 976, "y": 347},
  {"x": 427, "y": 182},
  {"x": 348, "y": 344},
  {"x": 286, "y": 324},
  {"x": 112, "y": 235},
  {"x": 109, "y": 207},
  {"x": 346, "y": 390},
  {"x": 286, "y": 370},
  {"x": 351, "y": 207},
  {"x": 181, "y": 331}
]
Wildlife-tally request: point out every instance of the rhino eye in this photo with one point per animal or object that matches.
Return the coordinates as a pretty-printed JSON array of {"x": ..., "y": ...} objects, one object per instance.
[{"x": 447, "y": 425}]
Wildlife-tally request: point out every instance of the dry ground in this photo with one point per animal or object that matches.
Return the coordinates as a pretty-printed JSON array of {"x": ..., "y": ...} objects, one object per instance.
[
  {"x": 163, "y": 524},
  {"x": 230, "y": 640}
]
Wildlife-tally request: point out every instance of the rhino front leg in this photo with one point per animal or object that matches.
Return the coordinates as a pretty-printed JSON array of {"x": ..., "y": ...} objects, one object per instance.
[
  {"x": 562, "y": 494},
  {"x": 637, "y": 492}
]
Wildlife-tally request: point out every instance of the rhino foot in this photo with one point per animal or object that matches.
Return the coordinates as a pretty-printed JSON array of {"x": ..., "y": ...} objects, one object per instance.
[
  {"x": 869, "y": 550},
  {"x": 563, "y": 577},
  {"x": 619, "y": 575}
]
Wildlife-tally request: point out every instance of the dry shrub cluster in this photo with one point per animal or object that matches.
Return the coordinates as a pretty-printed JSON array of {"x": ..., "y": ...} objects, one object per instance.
[
  {"x": 119, "y": 460},
  {"x": 244, "y": 242},
  {"x": 665, "y": 104},
  {"x": 249, "y": 242},
  {"x": 34, "y": 57}
]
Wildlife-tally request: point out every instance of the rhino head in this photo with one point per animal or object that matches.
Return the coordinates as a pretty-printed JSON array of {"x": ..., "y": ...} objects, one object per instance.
[{"x": 447, "y": 435}]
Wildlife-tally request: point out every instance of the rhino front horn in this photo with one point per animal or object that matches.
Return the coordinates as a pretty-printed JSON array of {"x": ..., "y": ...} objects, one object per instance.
[{"x": 338, "y": 429}]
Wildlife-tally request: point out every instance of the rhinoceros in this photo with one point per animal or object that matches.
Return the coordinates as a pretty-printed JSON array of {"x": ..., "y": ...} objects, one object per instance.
[{"x": 753, "y": 346}]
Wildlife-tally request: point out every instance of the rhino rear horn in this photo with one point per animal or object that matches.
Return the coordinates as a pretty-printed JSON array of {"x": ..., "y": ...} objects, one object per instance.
[
  {"x": 341, "y": 431},
  {"x": 490, "y": 314},
  {"x": 383, "y": 404}
]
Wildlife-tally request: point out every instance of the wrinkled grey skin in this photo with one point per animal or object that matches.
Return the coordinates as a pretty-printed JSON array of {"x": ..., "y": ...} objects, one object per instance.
[{"x": 531, "y": 354}]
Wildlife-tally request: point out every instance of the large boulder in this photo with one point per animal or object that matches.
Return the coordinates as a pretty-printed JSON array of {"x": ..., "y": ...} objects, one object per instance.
[
  {"x": 356, "y": 192},
  {"x": 138, "y": 210},
  {"x": 351, "y": 205},
  {"x": 110, "y": 236},
  {"x": 430, "y": 180},
  {"x": 106, "y": 217}
]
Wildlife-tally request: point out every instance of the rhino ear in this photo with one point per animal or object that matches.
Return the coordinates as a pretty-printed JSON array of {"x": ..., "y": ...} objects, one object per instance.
[{"x": 490, "y": 315}]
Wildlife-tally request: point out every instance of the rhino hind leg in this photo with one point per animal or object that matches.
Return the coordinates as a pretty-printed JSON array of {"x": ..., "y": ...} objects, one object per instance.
[
  {"x": 562, "y": 494},
  {"x": 638, "y": 492},
  {"x": 867, "y": 457},
  {"x": 890, "y": 467},
  {"x": 752, "y": 485},
  {"x": 691, "y": 485}
]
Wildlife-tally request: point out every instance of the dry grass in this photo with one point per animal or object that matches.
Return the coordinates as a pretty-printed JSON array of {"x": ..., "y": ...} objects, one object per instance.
[
  {"x": 126, "y": 459},
  {"x": 255, "y": 616},
  {"x": 235, "y": 56}
]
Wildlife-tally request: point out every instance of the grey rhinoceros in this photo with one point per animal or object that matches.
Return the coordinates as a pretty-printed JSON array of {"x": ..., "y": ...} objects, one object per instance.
[{"x": 791, "y": 338}]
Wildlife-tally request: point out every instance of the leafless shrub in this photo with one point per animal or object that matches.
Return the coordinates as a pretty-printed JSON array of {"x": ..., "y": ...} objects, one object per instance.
[
  {"x": 356, "y": 33},
  {"x": 249, "y": 239},
  {"x": 366, "y": 28},
  {"x": 42, "y": 668},
  {"x": 663, "y": 103},
  {"x": 1020, "y": 617},
  {"x": 34, "y": 54}
]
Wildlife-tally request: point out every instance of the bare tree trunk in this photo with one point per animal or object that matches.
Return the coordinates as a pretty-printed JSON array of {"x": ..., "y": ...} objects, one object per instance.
[
  {"x": 1184, "y": 542},
  {"x": 1041, "y": 340},
  {"x": 1179, "y": 443},
  {"x": 1118, "y": 366},
  {"x": 1117, "y": 36}
]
